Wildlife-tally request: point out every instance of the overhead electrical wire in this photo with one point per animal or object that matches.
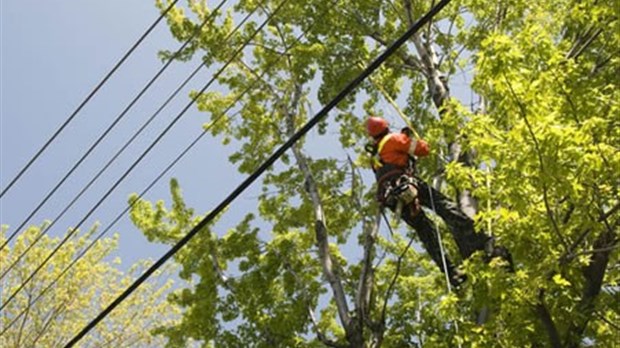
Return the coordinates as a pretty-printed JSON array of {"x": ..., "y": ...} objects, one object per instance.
[
  {"x": 156, "y": 180},
  {"x": 263, "y": 167},
  {"x": 140, "y": 158},
  {"x": 85, "y": 101},
  {"x": 114, "y": 123},
  {"x": 118, "y": 153}
]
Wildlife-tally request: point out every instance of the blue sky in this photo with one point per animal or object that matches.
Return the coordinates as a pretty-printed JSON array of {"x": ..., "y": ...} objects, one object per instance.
[{"x": 53, "y": 53}]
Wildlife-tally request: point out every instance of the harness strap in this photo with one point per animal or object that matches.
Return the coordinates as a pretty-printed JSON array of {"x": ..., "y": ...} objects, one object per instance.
[
  {"x": 390, "y": 175},
  {"x": 377, "y": 163}
]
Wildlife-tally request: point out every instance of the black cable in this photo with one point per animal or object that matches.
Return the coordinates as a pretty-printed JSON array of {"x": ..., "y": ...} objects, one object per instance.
[
  {"x": 92, "y": 93},
  {"x": 159, "y": 137},
  {"x": 109, "y": 129},
  {"x": 107, "y": 165},
  {"x": 161, "y": 175},
  {"x": 275, "y": 156}
]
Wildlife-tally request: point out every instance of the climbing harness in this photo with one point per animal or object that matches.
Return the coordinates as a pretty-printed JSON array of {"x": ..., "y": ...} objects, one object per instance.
[
  {"x": 397, "y": 187},
  {"x": 399, "y": 193},
  {"x": 405, "y": 189}
]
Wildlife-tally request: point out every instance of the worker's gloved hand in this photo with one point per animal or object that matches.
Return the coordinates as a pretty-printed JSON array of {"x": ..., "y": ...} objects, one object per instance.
[
  {"x": 407, "y": 131},
  {"x": 422, "y": 148},
  {"x": 371, "y": 149}
]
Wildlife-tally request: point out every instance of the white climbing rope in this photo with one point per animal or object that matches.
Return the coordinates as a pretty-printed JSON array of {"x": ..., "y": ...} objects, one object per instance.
[{"x": 443, "y": 255}]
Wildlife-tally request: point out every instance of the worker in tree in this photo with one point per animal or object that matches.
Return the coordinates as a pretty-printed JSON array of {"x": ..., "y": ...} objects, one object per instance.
[{"x": 393, "y": 161}]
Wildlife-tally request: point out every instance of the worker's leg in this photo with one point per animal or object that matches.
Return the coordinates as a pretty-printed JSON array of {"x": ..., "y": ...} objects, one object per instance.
[
  {"x": 428, "y": 236},
  {"x": 461, "y": 226}
]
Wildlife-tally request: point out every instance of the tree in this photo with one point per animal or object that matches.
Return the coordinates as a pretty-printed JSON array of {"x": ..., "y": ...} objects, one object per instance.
[
  {"x": 50, "y": 320},
  {"x": 535, "y": 162}
]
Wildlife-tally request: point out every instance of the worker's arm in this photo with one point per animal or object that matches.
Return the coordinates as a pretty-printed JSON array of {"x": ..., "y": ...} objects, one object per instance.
[{"x": 419, "y": 148}]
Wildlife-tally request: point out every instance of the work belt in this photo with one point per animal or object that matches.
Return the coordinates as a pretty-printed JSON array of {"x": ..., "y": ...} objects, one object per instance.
[{"x": 398, "y": 189}]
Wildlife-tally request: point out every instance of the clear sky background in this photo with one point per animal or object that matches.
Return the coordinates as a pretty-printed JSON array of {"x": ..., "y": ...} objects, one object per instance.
[{"x": 53, "y": 53}]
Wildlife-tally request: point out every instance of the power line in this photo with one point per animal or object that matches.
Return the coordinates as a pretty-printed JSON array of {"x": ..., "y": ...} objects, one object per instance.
[
  {"x": 275, "y": 156},
  {"x": 118, "y": 153},
  {"x": 92, "y": 93},
  {"x": 156, "y": 180},
  {"x": 114, "y": 123},
  {"x": 159, "y": 137}
]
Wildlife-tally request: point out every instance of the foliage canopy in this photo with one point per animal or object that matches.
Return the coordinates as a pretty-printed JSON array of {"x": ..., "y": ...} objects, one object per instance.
[{"x": 528, "y": 145}]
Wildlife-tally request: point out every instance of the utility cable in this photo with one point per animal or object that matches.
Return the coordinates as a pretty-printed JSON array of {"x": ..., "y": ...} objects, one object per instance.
[
  {"x": 116, "y": 121},
  {"x": 161, "y": 175},
  {"x": 92, "y": 93},
  {"x": 159, "y": 137},
  {"x": 109, "y": 163},
  {"x": 270, "y": 161}
]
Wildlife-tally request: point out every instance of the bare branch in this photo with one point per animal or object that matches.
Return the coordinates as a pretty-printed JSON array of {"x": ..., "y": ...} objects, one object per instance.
[
  {"x": 606, "y": 215},
  {"x": 326, "y": 341},
  {"x": 24, "y": 320},
  {"x": 220, "y": 273},
  {"x": 578, "y": 37},
  {"x": 594, "y": 251},
  {"x": 53, "y": 315},
  {"x": 322, "y": 241},
  {"x": 267, "y": 48},
  {"x": 241, "y": 64},
  {"x": 409, "y": 11},
  {"x": 410, "y": 61},
  {"x": 354, "y": 198},
  {"x": 367, "y": 274},
  {"x": 599, "y": 65},
  {"x": 576, "y": 53},
  {"x": 607, "y": 321}
]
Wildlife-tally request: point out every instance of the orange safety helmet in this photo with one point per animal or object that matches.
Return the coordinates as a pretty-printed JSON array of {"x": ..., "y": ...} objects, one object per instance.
[{"x": 376, "y": 126}]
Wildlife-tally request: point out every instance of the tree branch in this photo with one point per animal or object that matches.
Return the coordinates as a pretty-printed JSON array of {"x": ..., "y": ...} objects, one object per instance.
[
  {"x": 408, "y": 60},
  {"x": 570, "y": 252},
  {"x": 606, "y": 215},
  {"x": 55, "y": 313},
  {"x": 576, "y": 52},
  {"x": 594, "y": 274},
  {"x": 607, "y": 321},
  {"x": 393, "y": 282},
  {"x": 220, "y": 273},
  {"x": 540, "y": 162},
  {"x": 326, "y": 341},
  {"x": 367, "y": 274},
  {"x": 594, "y": 251},
  {"x": 545, "y": 317},
  {"x": 322, "y": 241}
]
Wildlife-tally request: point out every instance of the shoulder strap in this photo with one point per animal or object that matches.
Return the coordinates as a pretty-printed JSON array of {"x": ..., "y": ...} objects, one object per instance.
[
  {"x": 376, "y": 162},
  {"x": 382, "y": 142}
]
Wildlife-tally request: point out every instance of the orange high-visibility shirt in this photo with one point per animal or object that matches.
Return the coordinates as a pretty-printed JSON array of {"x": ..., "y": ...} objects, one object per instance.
[{"x": 397, "y": 148}]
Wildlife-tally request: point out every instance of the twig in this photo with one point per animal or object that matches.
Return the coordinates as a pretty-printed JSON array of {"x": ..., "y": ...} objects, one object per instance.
[
  {"x": 396, "y": 274},
  {"x": 326, "y": 341},
  {"x": 594, "y": 251},
  {"x": 540, "y": 162},
  {"x": 610, "y": 323}
]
